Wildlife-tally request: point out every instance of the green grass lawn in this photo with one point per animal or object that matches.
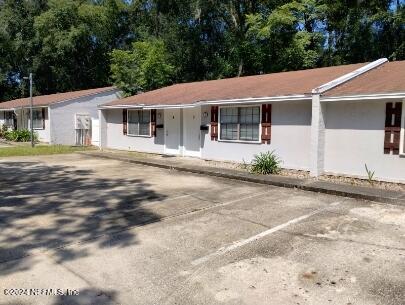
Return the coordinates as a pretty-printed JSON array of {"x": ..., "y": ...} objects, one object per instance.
[{"x": 39, "y": 150}]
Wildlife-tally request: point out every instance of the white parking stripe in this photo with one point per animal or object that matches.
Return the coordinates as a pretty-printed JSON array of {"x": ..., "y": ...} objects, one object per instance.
[{"x": 244, "y": 242}]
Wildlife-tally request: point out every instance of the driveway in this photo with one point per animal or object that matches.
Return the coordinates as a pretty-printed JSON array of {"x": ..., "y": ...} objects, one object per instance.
[{"x": 79, "y": 230}]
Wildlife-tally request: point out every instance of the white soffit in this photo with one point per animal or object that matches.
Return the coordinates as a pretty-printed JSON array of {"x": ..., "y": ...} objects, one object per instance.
[
  {"x": 215, "y": 102},
  {"x": 382, "y": 97}
]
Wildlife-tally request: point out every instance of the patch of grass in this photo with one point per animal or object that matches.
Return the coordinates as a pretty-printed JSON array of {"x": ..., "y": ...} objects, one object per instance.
[{"x": 40, "y": 150}]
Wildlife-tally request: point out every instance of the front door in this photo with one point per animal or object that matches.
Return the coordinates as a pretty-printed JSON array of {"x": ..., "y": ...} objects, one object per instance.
[
  {"x": 192, "y": 133},
  {"x": 172, "y": 131}
]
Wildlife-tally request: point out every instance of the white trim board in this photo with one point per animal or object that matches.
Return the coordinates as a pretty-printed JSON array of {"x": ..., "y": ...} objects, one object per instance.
[
  {"x": 217, "y": 102},
  {"x": 382, "y": 96},
  {"x": 259, "y": 141},
  {"x": 150, "y": 125},
  {"x": 61, "y": 101},
  {"x": 349, "y": 76}
]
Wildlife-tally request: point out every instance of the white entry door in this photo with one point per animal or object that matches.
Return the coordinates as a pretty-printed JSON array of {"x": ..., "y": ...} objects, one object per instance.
[
  {"x": 95, "y": 132},
  {"x": 192, "y": 133},
  {"x": 172, "y": 131}
]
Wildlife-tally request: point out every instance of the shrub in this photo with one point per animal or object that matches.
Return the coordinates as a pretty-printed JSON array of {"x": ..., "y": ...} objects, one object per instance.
[
  {"x": 3, "y": 131},
  {"x": 23, "y": 135},
  {"x": 265, "y": 164}
]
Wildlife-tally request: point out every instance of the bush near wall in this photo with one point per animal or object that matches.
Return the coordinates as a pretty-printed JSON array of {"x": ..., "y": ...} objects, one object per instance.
[
  {"x": 265, "y": 164},
  {"x": 23, "y": 135},
  {"x": 3, "y": 131}
]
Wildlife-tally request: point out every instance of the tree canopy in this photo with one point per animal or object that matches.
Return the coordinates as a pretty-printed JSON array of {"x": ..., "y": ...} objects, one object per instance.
[{"x": 141, "y": 45}]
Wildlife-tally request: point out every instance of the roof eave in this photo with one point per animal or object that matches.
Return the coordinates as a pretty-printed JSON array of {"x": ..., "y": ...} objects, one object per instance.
[
  {"x": 212, "y": 102},
  {"x": 349, "y": 76},
  {"x": 62, "y": 101},
  {"x": 363, "y": 97},
  {"x": 23, "y": 107}
]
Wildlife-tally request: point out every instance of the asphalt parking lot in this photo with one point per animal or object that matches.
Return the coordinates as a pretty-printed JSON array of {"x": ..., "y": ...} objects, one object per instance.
[{"x": 110, "y": 232}]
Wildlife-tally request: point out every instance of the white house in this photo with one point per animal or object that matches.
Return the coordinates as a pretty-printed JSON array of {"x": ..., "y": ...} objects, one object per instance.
[
  {"x": 65, "y": 118},
  {"x": 327, "y": 120}
]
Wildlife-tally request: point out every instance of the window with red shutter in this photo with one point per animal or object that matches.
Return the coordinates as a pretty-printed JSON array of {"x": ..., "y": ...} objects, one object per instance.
[
  {"x": 393, "y": 116},
  {"x": 153, "y": 122},
  {"x": 266, "y": 123},
  {"x": 214, "y": 123},
  {"x": 124, "y": 121}
]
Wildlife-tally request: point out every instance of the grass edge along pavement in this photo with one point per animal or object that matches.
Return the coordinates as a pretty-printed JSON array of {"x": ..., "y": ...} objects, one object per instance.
[{"x": 38, "y": 150}]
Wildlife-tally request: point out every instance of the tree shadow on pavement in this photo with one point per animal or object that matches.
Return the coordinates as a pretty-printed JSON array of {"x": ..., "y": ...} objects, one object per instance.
[{"x": 47, "y": 207}]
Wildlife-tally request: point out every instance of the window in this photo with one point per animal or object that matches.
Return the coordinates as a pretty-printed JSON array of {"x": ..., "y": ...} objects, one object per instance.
[
  {"x": 229, "y": 123},
  {"x": 38, "y": 118},
  {"x": 139, "y": 123},
  {"x": 240, "y": 123},
  {"x": 9, "y": 118}
]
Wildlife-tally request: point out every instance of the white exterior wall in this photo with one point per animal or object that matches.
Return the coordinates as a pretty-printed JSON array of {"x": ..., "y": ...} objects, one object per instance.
[
  {"x": 102, "y": 115},
  {"x": 355, "y": 137},
  {"x": 2, "y": 118},
  {"x": 44, "y": 135},
  {"x": 23, "y": 122},
  {"x": 115, "y": 138},
  {"x": 63, "y": 115},
  {"x": 290, "y": 138}
]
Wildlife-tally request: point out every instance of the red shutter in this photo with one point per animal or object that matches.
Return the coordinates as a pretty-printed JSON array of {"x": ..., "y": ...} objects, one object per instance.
[
  {"x": 214, "y": 123},
  {"x": 43, "y": 118},
  {"x": 266, "y": 123},
  {"x": 153, "y": 122},
  {"x": 393, "y": 115},
  {"x": 124, "y": 121}
]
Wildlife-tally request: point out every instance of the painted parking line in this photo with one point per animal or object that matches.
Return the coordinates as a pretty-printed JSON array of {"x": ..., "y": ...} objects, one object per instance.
[{"x": 268, "y": 232}]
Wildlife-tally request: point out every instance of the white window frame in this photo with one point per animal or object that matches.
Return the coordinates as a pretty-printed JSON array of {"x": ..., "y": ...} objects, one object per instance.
[
  {"x": 12, "y": 119},
  {"x": 43, "y": 118},
  {"x": 150, "y": 124},
  {"x": 402, "y": 140},
  {"x": 259, "y": 141}
]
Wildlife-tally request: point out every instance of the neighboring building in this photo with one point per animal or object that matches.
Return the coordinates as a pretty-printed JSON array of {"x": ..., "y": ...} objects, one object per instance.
[
  {"x": 69, "y": 118},
  {"x": 327, "y": 120}
]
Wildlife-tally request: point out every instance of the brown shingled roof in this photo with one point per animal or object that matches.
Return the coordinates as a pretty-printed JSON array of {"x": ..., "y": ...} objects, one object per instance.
[
  {"x": 269, "y": 85},
  {"x": 45, "y": 100},
  {"x": 387, "y": 78}
]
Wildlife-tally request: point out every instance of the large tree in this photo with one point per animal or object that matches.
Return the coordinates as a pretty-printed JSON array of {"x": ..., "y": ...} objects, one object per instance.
[
  {"x": 145, "y": 67},
  {"x": 67, "y": 44},
  {"x": 291, "y": 34},
  {"x": 72, "y": 40},
  {"x": 16, "y": 44}
]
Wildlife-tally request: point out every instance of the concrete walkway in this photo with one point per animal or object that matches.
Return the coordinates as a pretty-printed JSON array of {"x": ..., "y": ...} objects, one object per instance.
[{"x": 184, "y": 165}]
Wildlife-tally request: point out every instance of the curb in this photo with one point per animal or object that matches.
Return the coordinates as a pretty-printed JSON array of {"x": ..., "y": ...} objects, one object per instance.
[{"x": 285, "y": 182}]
